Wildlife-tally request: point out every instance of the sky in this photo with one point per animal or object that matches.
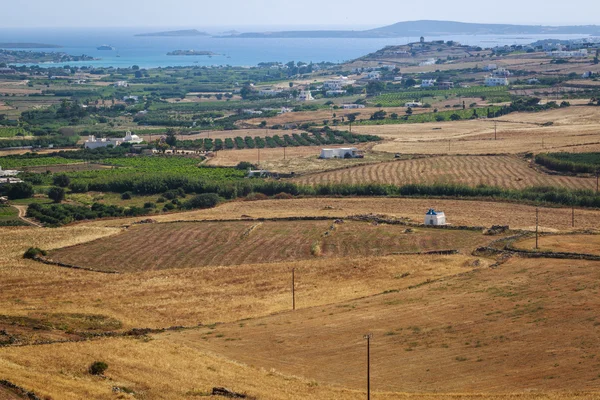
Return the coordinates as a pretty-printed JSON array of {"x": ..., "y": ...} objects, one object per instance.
[{"x": 285, "y": 14}]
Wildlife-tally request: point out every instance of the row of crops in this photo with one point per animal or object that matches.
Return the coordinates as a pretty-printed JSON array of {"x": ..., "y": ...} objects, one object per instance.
[
  {"x": 450, "y": 115},
  {"x": 293, "y": 140},
  {"x": 10, "y": 131},
  {"x": 398, "y": 99}
]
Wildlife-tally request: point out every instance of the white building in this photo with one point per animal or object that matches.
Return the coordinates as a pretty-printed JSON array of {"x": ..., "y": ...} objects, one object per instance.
[
  {"x": 252, "y": 112},
  {"x": 9, "y": 181},
  {"x": 352, "y": 106},
  {"x": 269, "y": 92},
  {"x": 121, "y": 84},
  {"x": 431, "y": 61},
  {"x": 428, "y": 83},
  {"x": 413, "y": 104},
  {"x": 305, "y": 95},
  {"x": 337, "y": 83},
  {"x": 502, "y": 72},
  {"x": 346, "y": 152},
  {"x": 335, "y": 92},
  {"x": 8, "y": 172},
  {"x": 94, "y": 143},
  {"x": 374, "y": 76},
  {"x": 568, "y": 54},
  {"x": 490, "y": 67},
  {"x": 436, "y": 218},
  {"x": 496, "y": 81},
  {"x": 397, "y": 78},
  {"x": 133, "y": 98}
]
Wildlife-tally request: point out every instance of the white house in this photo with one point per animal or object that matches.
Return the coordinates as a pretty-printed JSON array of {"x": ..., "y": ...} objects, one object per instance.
[
  {"x": 133, "y": 98},
  {"x": 430, "y": 61},
  {"x": 568, "y": 54},
  {"x": 413, "y": 104},
  {"x": 490, "y": 67},
  {"x": 94, "y": 143},
  {"x": 352, "y": 106},
  {"x": 397, "y": 78},
  {"x": 269, "y": 92},
  {"x": 8, "y": 172},
  {"x": 502, "y": 72},
  {"x": 346, "y": 152},
  {"x": 335, "y": 92},
  {"x": 374, "y": 76},
  {"x": 305, "y": 95},
  {"x": 337, "y": 83},
  {"x": 436, "y": 218},
  {"x": 428, "y": 83},
  {"x": 496, "y": 81},
  {"x": 121, "y": 84}
]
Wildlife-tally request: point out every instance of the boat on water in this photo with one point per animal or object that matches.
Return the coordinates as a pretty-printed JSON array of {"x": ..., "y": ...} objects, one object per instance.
[{"x": 105, "y": 47}]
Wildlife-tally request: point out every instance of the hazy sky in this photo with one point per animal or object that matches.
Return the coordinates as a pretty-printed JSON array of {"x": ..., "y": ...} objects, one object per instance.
[{"x": 232, "y": 13}]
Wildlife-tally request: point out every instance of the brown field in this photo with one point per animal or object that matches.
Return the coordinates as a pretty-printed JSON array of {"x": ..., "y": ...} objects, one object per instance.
[
  {"x": 503, "y": 171},
  {"x": 530, "y": 325},
  {"x": 229, "y": 158},
  {"x": 586, "y": 244},
  {"x": 574, "y": 129},
  {"x": 458, "y": 212},
  {"x": 193, "y": 245}
]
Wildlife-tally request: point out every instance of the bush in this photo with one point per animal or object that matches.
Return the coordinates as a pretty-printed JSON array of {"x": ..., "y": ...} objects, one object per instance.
[
  {"x": 256, "y": 196},
  {"x": 56, "y": 194},
  {"x": 205, "y": 200},
  {"x": 283, "y": 196},
  {"x": 161, "y": 200},
  {"x": 98, "y": 368},
  {"x": 34, "y": 252},
  {"x": 21, "y": 190},
  {"x": 168, "y": 207},
  {"x": 79, "y": 187},
  {"x": 126, "y": 196},
  {"x": 149, "y": 205},
  {"x": 244, "y": 165},
  {"x": 61, "y": 180}
]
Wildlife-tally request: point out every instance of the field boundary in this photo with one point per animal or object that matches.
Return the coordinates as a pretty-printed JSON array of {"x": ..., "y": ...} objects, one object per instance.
[
  {"x": 19, "y": 390},
  {"x": 47, "y": 261}
]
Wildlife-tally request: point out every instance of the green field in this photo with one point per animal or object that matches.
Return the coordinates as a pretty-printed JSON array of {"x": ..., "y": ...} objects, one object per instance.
[
  {"x": 440, "y": 116},
  {"x": 398, "y": 99}
]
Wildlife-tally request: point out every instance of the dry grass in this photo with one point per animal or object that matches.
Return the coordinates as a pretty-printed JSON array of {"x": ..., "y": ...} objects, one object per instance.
[
  {"x": 201, "y": 244},
  {"x": 530, "y": 325},
  {"x": 586, "y": 244},
  {"x": 574, "y": 129},
  {"x": 189, "y": 296},
  {"x": 458, "y": 212},
  {"x": 503, "y": 171},
  {"x": 234, "y": 157}
]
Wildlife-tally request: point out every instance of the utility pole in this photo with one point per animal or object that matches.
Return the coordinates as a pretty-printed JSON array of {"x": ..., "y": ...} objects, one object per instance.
[
  {"x": 537, "y": 229},
  {"x": 597, "y": 174},
  {"x": 573, "y": 216},
  {"x": 284, "y": 152},
  {"x": 495, "y": 130},
  {"x": 293, "y": 288},
  {"x": 258, "y": 162},
  {"x": 368, "y": 337}
]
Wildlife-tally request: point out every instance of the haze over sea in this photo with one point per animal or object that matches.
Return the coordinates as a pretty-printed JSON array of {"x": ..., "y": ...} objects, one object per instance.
[{"x": 150, "y": 52}]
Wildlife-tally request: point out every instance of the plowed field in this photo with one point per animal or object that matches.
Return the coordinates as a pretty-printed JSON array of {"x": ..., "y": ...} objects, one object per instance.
[
  {"x": 503, "y": 171},
  {"x": 189, "y": 245}
]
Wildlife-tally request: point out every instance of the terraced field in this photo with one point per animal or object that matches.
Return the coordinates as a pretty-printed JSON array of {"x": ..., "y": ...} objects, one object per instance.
[
  {"x": 503, "y": 171},
  {"x": 199, "y": 244},
  {"x": 586, "y": 244}
]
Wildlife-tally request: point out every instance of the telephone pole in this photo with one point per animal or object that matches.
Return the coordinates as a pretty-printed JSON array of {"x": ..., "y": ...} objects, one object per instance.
[
  {"x": 495, "y": 130},
  {"x": 294, "y": 289},
  {"x": 368, "y": 337},
  {"x": 537, "y": 224}
]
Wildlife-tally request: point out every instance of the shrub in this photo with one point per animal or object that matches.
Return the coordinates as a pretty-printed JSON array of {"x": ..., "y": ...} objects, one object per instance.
[
  {"x": 79, "y": 187},
  {"x": 161, "y": 200},
  {"x": 98, "y": 368},
  {"x": 126, "y": 196},
  {"x": 56, "y": 194},
  {"x": 21, "y": 190},
  {"x": 204, "y": 200},
  {"x": 61, "y": 180},
  {"x": 34, "y": 252},
  {"x": 283, "y": 196},
  {"x": 256, "y": 196},
  {"x": 149, "y": 205},
  {"x": 168, "y": 207},
  {"x": 244, "y": 165}
]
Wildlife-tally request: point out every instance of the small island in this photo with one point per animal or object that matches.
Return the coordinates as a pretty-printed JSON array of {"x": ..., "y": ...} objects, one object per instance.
[
  {"x": 191, "y": 53},
  {"x": 187, "y": 32},
  {"x": 30, "y": 57}
]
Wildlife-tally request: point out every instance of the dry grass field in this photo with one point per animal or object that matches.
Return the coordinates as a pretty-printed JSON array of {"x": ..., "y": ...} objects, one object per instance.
[
  {"x": 503, "y": 171},
  {"x": 585, "y": 244},
  {"x": 200, "y": 244},
  {"x": 529, "y": 326},
  {"x": 573, "y": 129},
  {"x": 458, "y": 212},
  {"x": 227, "y": 158}
]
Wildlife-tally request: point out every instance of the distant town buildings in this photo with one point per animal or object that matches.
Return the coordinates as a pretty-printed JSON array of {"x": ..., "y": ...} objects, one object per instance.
[
  {"x": 346, "y": 152},
  {"x": 428, "y": 83},
  {"x": 413, "y": 104},
  {"x": 581, "y": 53},
  {"x": 305, "y": 95},
  {"x": 496, "y": 81},
  {"x": 121, "y": 84},
  {"x": 337, "y": 83},
  {"x": 352, "y": 106},
  {"x": 94, "y": 143}
]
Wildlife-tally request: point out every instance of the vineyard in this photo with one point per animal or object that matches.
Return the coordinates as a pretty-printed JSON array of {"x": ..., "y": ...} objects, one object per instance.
[
  {"x": 501, "y": 171},
  {"x": 570, "y": 162},
  {"x": 398, "y": 99},
  {"x": 8, "y": 132},
  {"x": 193, "y": 245},
  {"x": 327, "y": 137},
  {"x": 16, "y": 162}
]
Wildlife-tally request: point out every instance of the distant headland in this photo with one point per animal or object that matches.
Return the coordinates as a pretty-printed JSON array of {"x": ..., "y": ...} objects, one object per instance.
[
  {"x": 28, "y": 46},
  {"x": 187, "y": 32}
]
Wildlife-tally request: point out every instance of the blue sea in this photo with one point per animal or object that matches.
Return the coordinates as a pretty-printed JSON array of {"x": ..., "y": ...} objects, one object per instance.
[{"x": 150, "y": 52}]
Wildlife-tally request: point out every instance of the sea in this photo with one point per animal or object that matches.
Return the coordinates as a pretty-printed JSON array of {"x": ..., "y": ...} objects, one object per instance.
[{"x": 151, "y": 52}]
